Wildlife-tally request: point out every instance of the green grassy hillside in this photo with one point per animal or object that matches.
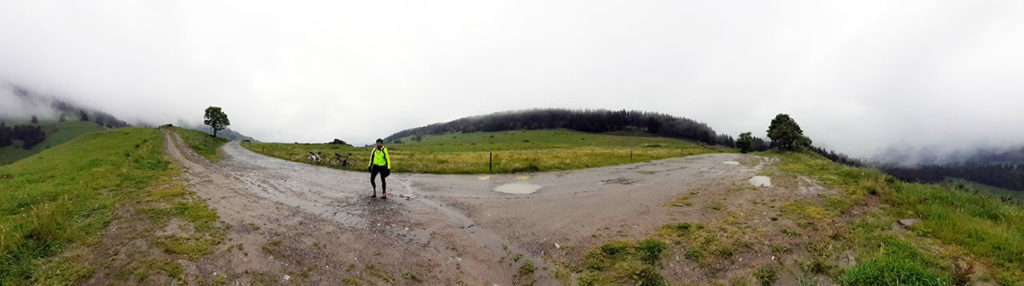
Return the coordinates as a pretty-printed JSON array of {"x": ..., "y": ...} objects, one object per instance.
[
  {"x": 56, "y": 134},
  {"x": 55, "y": 205},
  {"x": 202, "y": 143},
  {"x": 957, "y": 227},
  {"x": 513, "y": 151}
]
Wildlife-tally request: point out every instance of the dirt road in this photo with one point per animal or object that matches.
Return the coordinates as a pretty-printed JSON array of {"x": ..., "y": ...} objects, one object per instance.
[{"x": 316, "y": 225}]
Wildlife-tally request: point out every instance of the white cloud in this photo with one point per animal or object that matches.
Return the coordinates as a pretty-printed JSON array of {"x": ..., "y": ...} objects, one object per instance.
[{"x": 859, "y": 76}]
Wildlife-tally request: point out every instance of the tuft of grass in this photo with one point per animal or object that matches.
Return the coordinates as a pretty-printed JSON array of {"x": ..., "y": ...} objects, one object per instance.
[
  {"x": 790, "y": 232},
  {"x": 351, "y": 281},
  {"x": 679, "y": 229},
  {"x": 513, "y": 151},
  {"x": 694, "y": 254},
  {"x": 379, "y": 273},
  {"x": 897, "y": 263},
  {"x": 641, "y": 274},
  {"x": 412, "y": 276},
  {"x": 616, "y": 247},
  {"x": 807, "y": 209},
  {"x": 766, "y": 275},
  {"x": 617, "y": 262},
  {"x": 650, "y": 250},
  {"x": 527, "y": 269},
  {"x": 170, "y": 268},
  {"x": 202, "y": 143}
]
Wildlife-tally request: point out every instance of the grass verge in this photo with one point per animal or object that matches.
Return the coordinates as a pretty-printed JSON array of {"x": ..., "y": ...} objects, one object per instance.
[
  {"x": 56, "y": 205},
  {"x": 954, "y": 224}
]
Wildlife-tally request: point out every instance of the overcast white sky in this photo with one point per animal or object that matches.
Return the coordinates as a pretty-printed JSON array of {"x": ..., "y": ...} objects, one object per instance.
[{"x": 859, "y": 76}]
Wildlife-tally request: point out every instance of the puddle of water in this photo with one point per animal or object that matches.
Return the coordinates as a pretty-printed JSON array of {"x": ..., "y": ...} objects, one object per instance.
[
  {"x": 761, "y": 181},
  {"x": 733, "y": 163},
  {"x": 517, "y": 188}
]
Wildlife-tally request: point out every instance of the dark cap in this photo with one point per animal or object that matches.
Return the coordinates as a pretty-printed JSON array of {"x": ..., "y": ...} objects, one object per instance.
[{"x": 380, "y": 140}]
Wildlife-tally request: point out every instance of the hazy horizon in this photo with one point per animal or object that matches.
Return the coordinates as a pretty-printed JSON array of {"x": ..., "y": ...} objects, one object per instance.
[{"x": 861, "y": 78}]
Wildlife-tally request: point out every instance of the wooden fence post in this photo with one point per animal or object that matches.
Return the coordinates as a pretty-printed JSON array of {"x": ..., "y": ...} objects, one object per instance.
[{"x": 490, "y": 162}]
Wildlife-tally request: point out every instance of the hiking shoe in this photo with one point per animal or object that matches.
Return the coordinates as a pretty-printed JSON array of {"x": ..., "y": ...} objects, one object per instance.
[
  {"x": 384, "y": 196},
  {"x": 374, "y": 196}
]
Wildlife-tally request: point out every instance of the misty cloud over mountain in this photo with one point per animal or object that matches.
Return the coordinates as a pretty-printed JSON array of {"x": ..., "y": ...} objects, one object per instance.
[{"x": 860, "y": 77}]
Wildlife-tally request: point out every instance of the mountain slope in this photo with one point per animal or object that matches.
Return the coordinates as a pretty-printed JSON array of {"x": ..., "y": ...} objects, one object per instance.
[
  {"x": 56, "y": 133},
  {"x": 580, "y": 120}
]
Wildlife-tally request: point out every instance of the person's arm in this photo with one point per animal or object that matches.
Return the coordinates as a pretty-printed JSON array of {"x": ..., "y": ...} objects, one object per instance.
[
  {"x": 371, "y": 158},
  {"x": 387, "y": 158}
]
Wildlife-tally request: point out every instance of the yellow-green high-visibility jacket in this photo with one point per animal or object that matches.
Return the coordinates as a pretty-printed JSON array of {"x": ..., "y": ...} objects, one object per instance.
[{"x": 380, "y": 158}]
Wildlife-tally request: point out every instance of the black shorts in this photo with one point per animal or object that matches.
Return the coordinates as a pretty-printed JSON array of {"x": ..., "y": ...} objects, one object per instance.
[{"x": 383, "y": 170}]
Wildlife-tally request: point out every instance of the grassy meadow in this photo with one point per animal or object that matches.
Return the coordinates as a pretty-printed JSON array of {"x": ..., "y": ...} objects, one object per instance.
[
  {"x": 513, "y": 151},
  {"x": 961, "y": 235},
  {"x": 202, "y": 143},
  {"x": 957, "y": 227},
  {"x": 55, "y": 206},
  {"x": 56, "y": 134}
]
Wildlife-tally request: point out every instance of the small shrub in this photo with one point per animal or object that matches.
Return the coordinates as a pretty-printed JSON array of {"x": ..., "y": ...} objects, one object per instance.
[
  {"x": 615, "y": 247},
  {"x": 650, "y": 250}
]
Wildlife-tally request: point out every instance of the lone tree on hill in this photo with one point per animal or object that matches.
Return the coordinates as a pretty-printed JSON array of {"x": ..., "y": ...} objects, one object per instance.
[
  {"x": 744, "y": 142},
  {"x": 216, "y": 119},
  {"x": 34, "y": 119},
  {"x": 82, "y": 116},
  {"x": 786, "y": 134}
]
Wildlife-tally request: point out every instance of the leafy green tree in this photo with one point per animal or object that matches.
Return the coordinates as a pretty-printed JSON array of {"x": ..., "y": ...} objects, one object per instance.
[
  {"x": 216, "y": 119},
  {"x": 786, "y": 133},
  {"x": 744, "y": 142}
]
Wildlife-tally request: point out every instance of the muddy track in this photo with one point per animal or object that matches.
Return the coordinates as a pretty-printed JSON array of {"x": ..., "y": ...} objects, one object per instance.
[{"x": 321, "y": 222}]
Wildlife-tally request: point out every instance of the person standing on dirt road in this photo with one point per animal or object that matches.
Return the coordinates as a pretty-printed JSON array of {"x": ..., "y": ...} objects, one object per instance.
[{"x": 380, "y": 162}]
